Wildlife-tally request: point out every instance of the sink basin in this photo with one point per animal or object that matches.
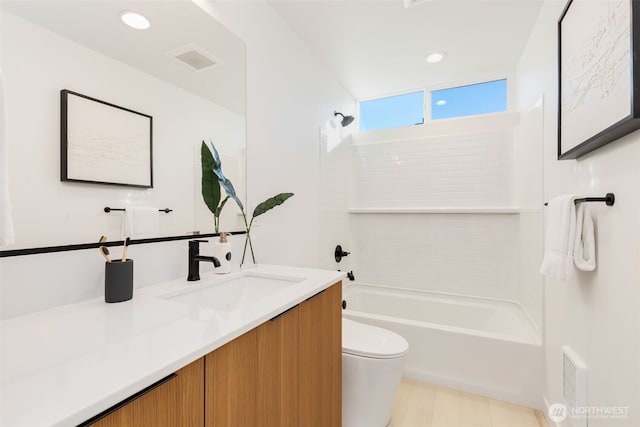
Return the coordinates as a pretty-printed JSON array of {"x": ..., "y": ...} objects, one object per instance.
[{"x": 234, "y": 293}]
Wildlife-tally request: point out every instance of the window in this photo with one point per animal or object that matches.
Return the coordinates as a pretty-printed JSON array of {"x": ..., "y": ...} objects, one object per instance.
[
  {"x": 392, "y": 111},
  {"x": 408, "y": 109},
  {"x": 480, "y": 98}
]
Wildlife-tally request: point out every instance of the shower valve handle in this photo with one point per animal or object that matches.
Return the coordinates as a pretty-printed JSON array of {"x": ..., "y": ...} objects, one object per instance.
[{"x": 339, "y": 253}]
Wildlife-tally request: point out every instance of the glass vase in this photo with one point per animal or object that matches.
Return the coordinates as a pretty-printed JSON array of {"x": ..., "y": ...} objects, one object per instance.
[{"x": 248, "y": 257}]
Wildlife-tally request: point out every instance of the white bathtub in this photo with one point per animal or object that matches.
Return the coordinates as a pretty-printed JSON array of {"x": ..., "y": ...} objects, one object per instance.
[{"x": 479, "y": 345}]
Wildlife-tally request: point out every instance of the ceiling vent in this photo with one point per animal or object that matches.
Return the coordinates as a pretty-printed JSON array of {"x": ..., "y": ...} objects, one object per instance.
[{"x": 194, "y": 57}]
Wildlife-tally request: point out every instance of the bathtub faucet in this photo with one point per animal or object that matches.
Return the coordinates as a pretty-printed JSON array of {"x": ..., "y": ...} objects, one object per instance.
[{"x": 350, "y": 275}]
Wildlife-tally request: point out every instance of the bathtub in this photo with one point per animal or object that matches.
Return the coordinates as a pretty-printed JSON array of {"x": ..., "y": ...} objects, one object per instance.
[{"x": 479, "y": 345}]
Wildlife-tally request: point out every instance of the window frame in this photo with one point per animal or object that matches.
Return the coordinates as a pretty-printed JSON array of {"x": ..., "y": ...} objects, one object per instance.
[
  {"x": 427, "y": 91},
  {"x": 425, "y": 105}
]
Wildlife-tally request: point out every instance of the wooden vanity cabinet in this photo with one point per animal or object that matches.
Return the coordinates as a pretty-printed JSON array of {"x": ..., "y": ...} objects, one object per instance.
[
  {"x": 230, "y": 383},
  {"x": 253, "y": 380},
  {"x": 177, "y": 400},
  {"x": 320, "y": 359},
  {"x": 285, "y": 373},
  {"x": 277, "y": 380}
]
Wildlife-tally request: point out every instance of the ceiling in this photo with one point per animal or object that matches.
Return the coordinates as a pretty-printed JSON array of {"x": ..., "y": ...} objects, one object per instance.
[
  {"x": 379, "y": 47},
  {"x": 174, "y": 24}
]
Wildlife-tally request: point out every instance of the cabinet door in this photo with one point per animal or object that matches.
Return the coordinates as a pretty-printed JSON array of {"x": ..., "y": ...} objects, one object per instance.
[
  {"x": 277, "y": 391},
  {"x": 178, "y": 401},
  {"x": 320, "y": 359},
  {"x": 230, "y": 383}
]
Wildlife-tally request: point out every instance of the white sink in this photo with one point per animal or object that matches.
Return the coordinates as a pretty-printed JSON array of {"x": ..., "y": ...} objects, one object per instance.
[{"x": 231, "y": 294}]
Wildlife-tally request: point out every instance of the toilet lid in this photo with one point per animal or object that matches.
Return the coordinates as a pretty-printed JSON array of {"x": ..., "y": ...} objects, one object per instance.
[{"x": 359, "y": 339}]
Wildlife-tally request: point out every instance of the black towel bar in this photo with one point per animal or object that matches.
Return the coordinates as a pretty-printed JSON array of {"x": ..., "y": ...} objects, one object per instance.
[
  {"x": 108, "y": 209},
  {"x": 609, "y": 199}
]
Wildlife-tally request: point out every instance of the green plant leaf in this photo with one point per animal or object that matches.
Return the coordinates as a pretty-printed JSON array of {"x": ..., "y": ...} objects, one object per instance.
[
  {"x": 271, "y": 203},
  {"x": 210, "y": 183},
  {"x": 219, "y": 210},
  {"x": 223, "y": 180},
  {"x": 231, "y": 192}
]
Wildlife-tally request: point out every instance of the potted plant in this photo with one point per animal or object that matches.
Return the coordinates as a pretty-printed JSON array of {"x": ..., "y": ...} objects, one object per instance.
[
  {"x": 212, "y": 196},
  {"x": 261, "y": 208}
]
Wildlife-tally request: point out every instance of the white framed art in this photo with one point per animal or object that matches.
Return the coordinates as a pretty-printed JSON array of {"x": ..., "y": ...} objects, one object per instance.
[
  {"x": 103, "y": 143},
  {"x": 598, "y": 74}
]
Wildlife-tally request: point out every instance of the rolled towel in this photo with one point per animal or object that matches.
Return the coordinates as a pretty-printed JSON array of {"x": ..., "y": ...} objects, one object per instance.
[
  {"x": 584, "y": 252},
  {"x": 559, "y": 239},
  {"x": 140, "y": 223}
]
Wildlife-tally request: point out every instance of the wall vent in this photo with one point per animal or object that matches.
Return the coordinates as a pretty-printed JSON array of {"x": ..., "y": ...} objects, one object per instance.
[
  {"x": 194, "y": 57},
  {"x": 574, "y": 384}
]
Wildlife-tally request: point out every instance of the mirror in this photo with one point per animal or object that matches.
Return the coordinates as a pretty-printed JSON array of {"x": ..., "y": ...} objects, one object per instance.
[{"x": 186, "y": 71}]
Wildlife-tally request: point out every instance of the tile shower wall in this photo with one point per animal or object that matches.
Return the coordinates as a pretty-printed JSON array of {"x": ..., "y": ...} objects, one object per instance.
[
  {"x": 465, "y": 170},
  {"x": 460, "y": 253},
  {"x": 461, "y": 164},
  {"x": 530, "y": 137},
  {"x": 336, "y": 178}
]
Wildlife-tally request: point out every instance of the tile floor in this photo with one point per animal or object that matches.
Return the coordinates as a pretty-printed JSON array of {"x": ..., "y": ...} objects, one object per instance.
[{"x": 424, "y": 405}]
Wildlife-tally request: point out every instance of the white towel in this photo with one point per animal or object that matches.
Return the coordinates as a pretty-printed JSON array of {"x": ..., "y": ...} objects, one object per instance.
[
  {"x": 140, "y": 223},
  {"x": 584, "y": 252},
  {"x": 559, "y": 238},
  {"x": 7, "y": 236}
]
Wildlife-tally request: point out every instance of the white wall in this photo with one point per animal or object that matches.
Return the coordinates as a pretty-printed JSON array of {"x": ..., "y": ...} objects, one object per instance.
[
  {"x": 37, "y": 64},
  {"x": 37, "y": 282},
  {"x": 595, "y": 313},
  {"x": 289, "y": 96}
]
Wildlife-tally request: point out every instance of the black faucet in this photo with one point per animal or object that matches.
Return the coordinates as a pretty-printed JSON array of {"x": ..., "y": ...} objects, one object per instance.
[{"x": 195, "y": 258}]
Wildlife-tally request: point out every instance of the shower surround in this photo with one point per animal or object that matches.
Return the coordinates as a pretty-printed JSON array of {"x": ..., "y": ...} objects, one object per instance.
[{"x": 454, "y": 208}]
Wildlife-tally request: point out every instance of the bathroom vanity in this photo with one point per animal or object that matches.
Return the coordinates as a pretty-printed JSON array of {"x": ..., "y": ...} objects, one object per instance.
[{"x": 252, "y": 348}]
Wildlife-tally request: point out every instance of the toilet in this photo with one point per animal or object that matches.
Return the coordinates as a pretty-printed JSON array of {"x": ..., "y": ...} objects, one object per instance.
[{"x": 372, "y": 362}]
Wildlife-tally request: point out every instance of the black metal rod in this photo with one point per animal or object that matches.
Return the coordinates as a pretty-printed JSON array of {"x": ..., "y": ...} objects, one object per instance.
[
  {"x": 108, "y": 209},
  {"x": 609, "y": 199},
  {"x": 82, "y": 246}
]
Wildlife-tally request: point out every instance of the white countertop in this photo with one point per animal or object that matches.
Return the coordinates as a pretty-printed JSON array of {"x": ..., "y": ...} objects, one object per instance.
[{"x": 62, "y": 366}]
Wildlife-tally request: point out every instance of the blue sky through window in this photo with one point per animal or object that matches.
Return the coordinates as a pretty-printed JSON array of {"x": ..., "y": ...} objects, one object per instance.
[
  {"x": 392, "y": 111},
  {"x": 408, "y": 109},
  {"x": 480, "y": 98}
]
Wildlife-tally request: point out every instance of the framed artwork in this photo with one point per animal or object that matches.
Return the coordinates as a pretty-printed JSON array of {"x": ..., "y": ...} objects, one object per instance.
[
  {"x": 102, "y": 143},
  {"x": 598, "y": 74}
]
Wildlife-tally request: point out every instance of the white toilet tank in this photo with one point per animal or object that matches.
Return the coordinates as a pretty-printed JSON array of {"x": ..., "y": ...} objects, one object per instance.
[{"x": 372, "y": 363}]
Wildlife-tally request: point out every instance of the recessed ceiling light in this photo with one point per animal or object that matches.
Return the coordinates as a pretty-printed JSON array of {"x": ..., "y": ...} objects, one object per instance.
[
  {"x": 436, "y": 57},
  {"x": 441, "y": 102},
  {"x": 135, "y": 20}
]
